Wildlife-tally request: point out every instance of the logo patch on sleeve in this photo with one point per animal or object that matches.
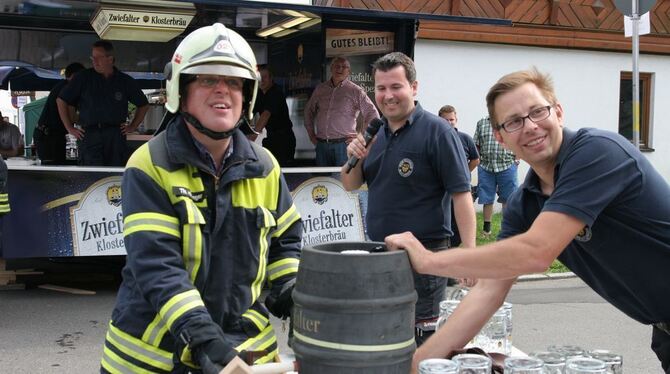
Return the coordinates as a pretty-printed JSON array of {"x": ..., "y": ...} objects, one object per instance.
[{"x": 584, "y": 234}]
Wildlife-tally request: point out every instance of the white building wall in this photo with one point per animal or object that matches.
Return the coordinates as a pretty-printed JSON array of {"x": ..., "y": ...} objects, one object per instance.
[{"x": 586, "y": 83}]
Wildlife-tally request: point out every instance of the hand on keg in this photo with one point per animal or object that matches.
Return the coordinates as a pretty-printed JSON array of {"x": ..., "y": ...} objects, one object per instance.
[
  {"x": 214, "y": 355},
  {"x": 208, "y": 348},
  {"x": 418, "y": 254},
  {"x": 280, "y": 303}
]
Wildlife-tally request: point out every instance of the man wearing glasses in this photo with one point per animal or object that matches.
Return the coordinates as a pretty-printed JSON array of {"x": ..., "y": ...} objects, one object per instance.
[
  {"x": 591, "y": 199},
  {"x": 331, "y": 112},
  {"x": 208, "y": 220},
  {"x": 101, "y": 95}
]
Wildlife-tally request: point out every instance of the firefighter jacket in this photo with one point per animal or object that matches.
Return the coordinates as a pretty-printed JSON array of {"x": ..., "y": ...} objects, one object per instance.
[{"x": 200, "y": 247}]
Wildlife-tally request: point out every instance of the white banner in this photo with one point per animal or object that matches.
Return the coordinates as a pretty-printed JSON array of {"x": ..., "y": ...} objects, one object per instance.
[
  {"x": 329, "y": 213},
  {"x": 360, "y": 43},
  {"x": 97, "y": 221}
]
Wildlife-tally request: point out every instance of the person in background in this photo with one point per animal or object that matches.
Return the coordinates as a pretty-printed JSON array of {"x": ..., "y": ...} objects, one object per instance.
[
  {"x": 49, "y": 135},
  {"x": 274, "y": 118},
  {"x": 448, "y": 112},
  {"x": 101, "y": 95},
  {"x": 4, "y": 197},
  {"x": 11, "y": 139},
  {"x": 496, "y": 173},
  {"x": 415, "y": 169},
  {"x": 591, "y": 199},
  {"x": 208, "y": 220},
  {"x": 331, "y": 112}
]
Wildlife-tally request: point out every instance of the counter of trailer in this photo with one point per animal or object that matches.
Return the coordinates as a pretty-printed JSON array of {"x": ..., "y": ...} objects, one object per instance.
[{"x": 66, "y": 211}]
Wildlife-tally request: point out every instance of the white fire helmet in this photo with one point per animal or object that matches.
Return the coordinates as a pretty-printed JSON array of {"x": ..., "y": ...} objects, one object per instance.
[{"x": 215, "y": 50}]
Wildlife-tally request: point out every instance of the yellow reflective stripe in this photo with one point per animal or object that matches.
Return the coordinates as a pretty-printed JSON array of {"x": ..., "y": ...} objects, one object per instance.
[
  {"x": 285, "y": 221},
  {"x": 5, "y": 208},
  {"x": 138, "y": 349},
  {"x": 114, "y": 364},
  {"x": 179, "y": 304},
  {"x": 155, "y": 331},
  {"x": 259, "y": 342},
  {"x": 4, "y": 197},
  {"x": 258, "y": 319},
  {"x": 287, "y": 214},
  {"x": 263, "y": 244},
  {"x": 192, "y": 243},
  {"x": 193, "y": 213},
  {"x": 151, "y": 222},
  {"x": 282, "y": 267},
  {"x": 353, "y": 347},
  {"x": 270, "y": 357},
  {"x": 186, "y": 357}
]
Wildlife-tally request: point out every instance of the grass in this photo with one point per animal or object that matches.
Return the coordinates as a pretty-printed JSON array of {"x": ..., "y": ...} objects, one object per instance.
[{"x": 556, "y": 267}]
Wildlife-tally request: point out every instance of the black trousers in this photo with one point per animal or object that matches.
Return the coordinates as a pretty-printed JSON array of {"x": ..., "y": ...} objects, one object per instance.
[
  {"x": 660, "y": 344},
  {"x": 103, "y": 147}
]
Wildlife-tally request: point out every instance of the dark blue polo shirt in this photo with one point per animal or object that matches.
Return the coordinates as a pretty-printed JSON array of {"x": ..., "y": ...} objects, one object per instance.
[
  {"x": 623, "y": 253},
  {"x": 101, "y": 100},
  {"x": 408, "y": 174},
  {"x": 469, "y": 146}
]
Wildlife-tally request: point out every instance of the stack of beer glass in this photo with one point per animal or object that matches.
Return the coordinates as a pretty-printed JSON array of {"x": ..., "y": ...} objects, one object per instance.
[
  {"x": 495, "y": 336},
  {"x": 571, "y": 359}
]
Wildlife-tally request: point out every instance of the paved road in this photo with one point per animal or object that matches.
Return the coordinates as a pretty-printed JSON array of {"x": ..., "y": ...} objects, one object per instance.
[{"x": 52, "y": 332}]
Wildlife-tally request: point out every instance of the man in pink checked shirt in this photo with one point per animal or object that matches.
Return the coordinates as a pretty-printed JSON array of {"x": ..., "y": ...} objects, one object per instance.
[{"x": 331, "y": 112}]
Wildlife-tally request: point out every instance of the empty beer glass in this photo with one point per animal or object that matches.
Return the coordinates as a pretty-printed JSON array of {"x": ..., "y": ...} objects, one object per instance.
[
  {"x": 492, "y": 337},
  {"x": 523, "y": 365},
  {"x": 455, "y": 292},
  {"x": 507, "y": 307},
  {"x": 446, "y": 308},
  {"x": 568, "y": 351},
  {"x": 613, "y": 362},
  {"x": 438, "y": 366},
  {"x": 584, "y": 365},
  {"x": 554, "y": 362},
  {"x": 473, "y": 364}
]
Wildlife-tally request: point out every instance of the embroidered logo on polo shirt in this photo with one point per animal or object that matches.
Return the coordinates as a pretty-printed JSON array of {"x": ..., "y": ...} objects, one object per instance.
[
  {"x": 584, "y": 234},
  {"x": 118, "y": 95},
  {"x": 405, "y": 167}
]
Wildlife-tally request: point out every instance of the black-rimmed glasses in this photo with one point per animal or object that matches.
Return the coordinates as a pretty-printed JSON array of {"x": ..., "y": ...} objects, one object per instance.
[{"x": 536, "y": 115}]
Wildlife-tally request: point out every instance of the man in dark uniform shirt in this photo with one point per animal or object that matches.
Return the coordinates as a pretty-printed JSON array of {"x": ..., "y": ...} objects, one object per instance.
[
  {"x": 274, "y": 118},
  {"x": 102, "y": 94},
  {"x": 49, "y": 136},
  {"x": 448, "y": 112}
]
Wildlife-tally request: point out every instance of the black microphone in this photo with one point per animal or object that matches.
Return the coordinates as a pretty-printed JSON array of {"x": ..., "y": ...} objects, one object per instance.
[{"x": 370, "y": 133}]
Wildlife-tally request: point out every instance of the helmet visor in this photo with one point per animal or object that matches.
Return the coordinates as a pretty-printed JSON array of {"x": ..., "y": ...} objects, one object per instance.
[{"x": 220, "y": 69}]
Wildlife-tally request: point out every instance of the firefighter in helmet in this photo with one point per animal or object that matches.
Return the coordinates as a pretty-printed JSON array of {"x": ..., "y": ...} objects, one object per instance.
[{"x": 208, "y": 220}]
